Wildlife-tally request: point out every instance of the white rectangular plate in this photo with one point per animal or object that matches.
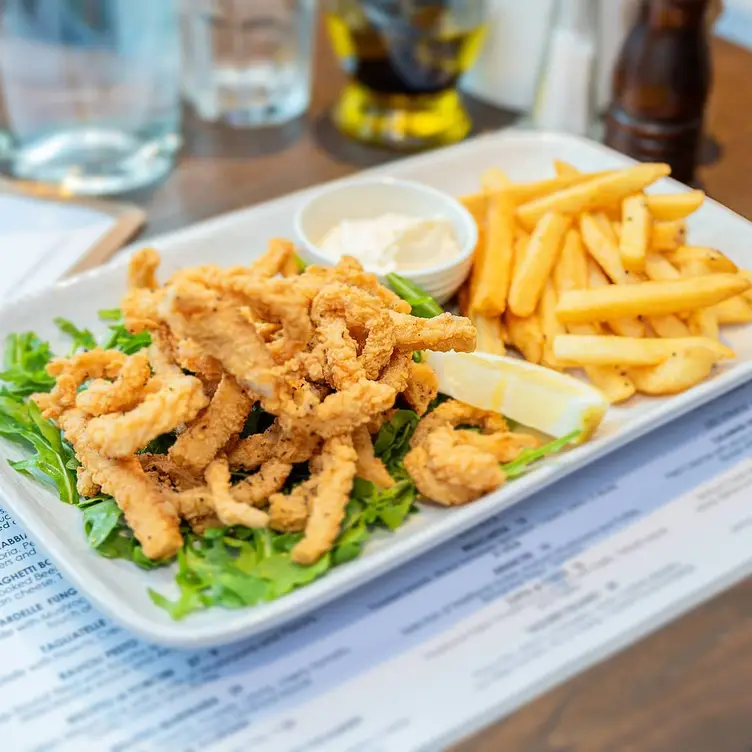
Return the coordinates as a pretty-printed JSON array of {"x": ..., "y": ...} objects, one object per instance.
[{"x": 119, "y": 588}]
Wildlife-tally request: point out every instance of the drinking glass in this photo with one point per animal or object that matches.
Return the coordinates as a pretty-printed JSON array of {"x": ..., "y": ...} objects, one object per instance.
[
  {"x": 248, "y": 62},
  {"x": 90, "y": 92},
  {"x": 404, "y": 59}
]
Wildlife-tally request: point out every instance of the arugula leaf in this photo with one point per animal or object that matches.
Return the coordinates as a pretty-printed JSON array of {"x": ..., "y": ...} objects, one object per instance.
[
  {"x": 110, "y": 314},
  {"x": 25, "y": 360},
  {"x": 83, "y": 339},
  {"x": 393, "y": 441},
  {"x": 421, "y": 302},
  {"x": 101, "y": 517},
  {"x": 527, "y": 457},
  {"x": 53, "y": 461},
  {"x": 160, "y": 445}
]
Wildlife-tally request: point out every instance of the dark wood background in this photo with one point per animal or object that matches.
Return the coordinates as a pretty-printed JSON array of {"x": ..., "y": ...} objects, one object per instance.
[{"x": 688, "y": 687}]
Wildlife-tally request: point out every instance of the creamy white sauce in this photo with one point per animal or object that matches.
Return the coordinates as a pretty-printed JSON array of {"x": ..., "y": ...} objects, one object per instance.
[{"x": 393, "y": 242}]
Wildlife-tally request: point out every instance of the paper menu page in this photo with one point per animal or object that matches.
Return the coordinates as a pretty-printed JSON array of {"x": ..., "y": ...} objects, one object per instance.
[
  {"x": 420, "y": 656},
  {"x": 41, "y": 240}
]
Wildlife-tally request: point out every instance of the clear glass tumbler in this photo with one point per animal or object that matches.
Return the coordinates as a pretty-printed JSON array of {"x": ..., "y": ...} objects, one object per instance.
[
  {"x": 90, "y": 92},
  {"x": 247, "y": 62}
]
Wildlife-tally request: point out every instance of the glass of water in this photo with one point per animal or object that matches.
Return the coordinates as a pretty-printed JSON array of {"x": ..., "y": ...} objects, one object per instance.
[
  {"x": 247, "y": 62},
  {"x": 91, "y": 92}
]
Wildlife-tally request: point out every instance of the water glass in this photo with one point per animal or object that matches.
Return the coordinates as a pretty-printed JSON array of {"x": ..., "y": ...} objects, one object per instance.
[
  {"x": 90, "y": 92},
  {"x": 247, "y": 62}
]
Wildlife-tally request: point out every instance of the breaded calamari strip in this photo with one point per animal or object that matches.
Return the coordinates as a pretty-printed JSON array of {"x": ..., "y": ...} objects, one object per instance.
[
  {"x": 451, "y": 460},
  {"x": 431, "y": 487},
  {"x": 343, "y": 368},
  {"x": 441, "y": 333},
  {"x": 124, "y": 393},
  {"x": 274, "y": 260},
  {"x": 167, "y": 473},
  {"x": 228, "y": 509},
  {"x": 257, "y": 488},
  {"x": 139, "y": 307},
  {"x": 274, "y": 443},
  {"x": 220, "y": 330},
  {"x": 85, "y": 484},
  {"x": 453, "y": 413},
  {"x": 146, "y": 508},
  {"x": 369, "y": 466},
  {"x": 342, "y": 412},
  {"x": 195, "y": 507},
  {"x": 210, "y": 431},
  {"x": 350, "y": 271},
  {"x": 397, "y": 372},
  {"x": 505, "y": 446},
  {"x": 70, "y": 373},
  {"x": 170, "y": 401},
  {"x": 288, "y": 512},
  {"x": 161, "y": 354},
  {"x": 142, "y": 269},
  {"x": 422, "y": 387},
  {"x": 335, "y": 479}
]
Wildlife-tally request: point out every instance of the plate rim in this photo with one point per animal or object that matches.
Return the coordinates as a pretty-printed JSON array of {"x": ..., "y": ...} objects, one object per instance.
[{"x": 339, "y": 581}]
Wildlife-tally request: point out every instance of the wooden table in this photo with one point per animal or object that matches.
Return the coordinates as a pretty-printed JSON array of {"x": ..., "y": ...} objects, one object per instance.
[{"x": 687, "y": 688}]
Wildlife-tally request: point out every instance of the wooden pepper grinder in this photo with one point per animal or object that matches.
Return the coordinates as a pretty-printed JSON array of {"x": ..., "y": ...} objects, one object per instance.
[{"x": 661, "y": 86}]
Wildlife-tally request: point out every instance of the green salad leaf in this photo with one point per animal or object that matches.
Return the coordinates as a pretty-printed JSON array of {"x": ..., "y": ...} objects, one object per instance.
[
  {"x": 119, "y": 337},
  {"x": 393, "y": 440},
  {"x": 83, "y": 339},
  {"x": 421, "y": 302},
  {"x": 24, "y": 362},
  {"x": 527, "y": 457}
]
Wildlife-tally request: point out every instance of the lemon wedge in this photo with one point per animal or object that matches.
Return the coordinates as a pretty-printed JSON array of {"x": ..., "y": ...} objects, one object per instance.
[{"x": 536, "y": 397}]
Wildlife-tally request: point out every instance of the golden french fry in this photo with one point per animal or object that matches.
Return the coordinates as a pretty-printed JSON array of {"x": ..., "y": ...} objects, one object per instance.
[
  {"x": 477, "y": 205},
  {"x": 490, "y": 337},
  {"x": 733, "y": 311},
  {"x": 666, "y": 207},
  {"x": 606, "y": 226},
  {"x": 626, "y": 326},
  {"x": 648, "y": 298},
  {"x": 602, "y": 249},
  {"x": 536, "y": 265},
  {"x": 703, "y": 323},
  {"x": 660, "y": 269},
  {"x": 713, "y": 260},
  {"x": 746, "y": 274},
  {"x": 550, "y": 324},
  {"x": 478, "y": 264},
  {"x": 635, "y": 233},
  {"x": 682, "y": 370},
  {"x": 607, "y": 350},
  {"x": 670, "y": 326},
  {"x": 564, "y": 169},
  {"x": 595, "y": 193},
  {"x": 525, "y": 335},
  {"x": 613, "y": 381},
  {"x": 493, "y": 179},
  {"x": 493, "y": 273},
  {"x": 570, "y": 272},
  {"x": 668, "y": 236}
]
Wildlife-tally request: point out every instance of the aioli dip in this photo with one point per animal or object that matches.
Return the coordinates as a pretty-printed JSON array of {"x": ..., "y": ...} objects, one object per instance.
[{"x": 393, "y": 242}]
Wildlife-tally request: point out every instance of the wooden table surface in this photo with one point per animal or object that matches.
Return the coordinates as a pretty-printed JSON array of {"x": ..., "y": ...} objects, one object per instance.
[{"x": 688, "y": 687}]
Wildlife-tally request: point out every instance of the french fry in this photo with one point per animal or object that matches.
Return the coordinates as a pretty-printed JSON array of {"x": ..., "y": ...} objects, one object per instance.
[
  {"x": 682, "y": 370},
  {"x": 670, "y": 326},
  {"x": 477, "y": 205},
  {"x": 493, "y": 179},
  {"x": 595, "y": 193},
  {"x": 534, "y": 268},
  {"x": 478, "y": 263},
  {"x": 525, "y": 333},
  {"x": 550, "y": 324},
  {"x": 626, "y": 326},
  {"x": 701, "y": 321},
  {"x": 606, "y": 226},
  {"x": 597, "y": 350},
  {"x": 571, "y": 272},
  {"x": 648, "y": 298},
  {"x": 635, "y": 234},
  {"x": 714, "y": 260},
  {"x": 666, "y": 207},
  {"x": 668, "y": 236},
  {"x": 564, "y": 169},
  {"x": 602, "y": 249},
  {"x": 746, "y": 274},
  {"x": 492, "y": 275},
  {"x": 490, "y": 336},
  {"x": 733, "y": 311},
  {"x": 659, "y": 269}
]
